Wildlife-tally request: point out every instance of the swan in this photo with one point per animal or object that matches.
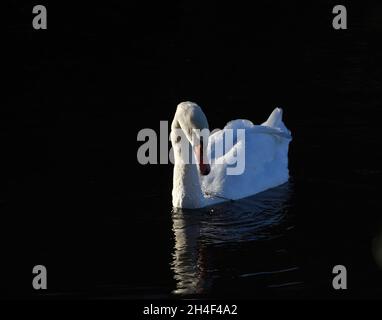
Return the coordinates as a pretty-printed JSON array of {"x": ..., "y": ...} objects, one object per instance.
[{"x": 202, "y": 169}]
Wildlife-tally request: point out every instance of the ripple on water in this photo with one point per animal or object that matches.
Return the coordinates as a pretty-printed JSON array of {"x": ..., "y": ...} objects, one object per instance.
[{"x": 209, "y": 242}]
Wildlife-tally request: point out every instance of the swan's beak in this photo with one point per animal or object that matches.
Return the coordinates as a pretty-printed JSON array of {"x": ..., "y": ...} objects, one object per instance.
[{"x": 204, "y": 167}]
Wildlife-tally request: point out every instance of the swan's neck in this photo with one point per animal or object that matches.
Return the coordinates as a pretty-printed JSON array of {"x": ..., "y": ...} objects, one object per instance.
[{"x": 186, "y": 192}]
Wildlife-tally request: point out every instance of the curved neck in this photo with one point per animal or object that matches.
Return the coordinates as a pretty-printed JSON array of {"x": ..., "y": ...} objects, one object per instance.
[{"x": 186, "y": 192}]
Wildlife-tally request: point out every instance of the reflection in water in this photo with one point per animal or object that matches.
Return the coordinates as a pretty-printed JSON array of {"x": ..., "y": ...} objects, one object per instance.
[{"x": 206, "y": 238}]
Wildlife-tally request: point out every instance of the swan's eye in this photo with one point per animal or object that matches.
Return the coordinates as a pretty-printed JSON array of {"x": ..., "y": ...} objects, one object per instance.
[{"x": 178, "y": 138}]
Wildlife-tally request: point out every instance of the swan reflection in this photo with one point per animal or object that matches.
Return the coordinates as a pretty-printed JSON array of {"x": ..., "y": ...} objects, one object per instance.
[{"x": 205, "y": 238}]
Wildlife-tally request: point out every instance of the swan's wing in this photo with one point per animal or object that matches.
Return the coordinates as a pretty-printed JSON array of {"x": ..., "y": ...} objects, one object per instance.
[
  {"x": 260, "y": 157},
  {"x": 264, "y": 129},
  {"x": 257, "y": 144},
  {"x": 234, "y": 130},
  {"x": 274, "y": 125}
]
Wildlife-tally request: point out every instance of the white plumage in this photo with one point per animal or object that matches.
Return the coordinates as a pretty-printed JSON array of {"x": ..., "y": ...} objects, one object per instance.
[{"x": 263, "y": 149}]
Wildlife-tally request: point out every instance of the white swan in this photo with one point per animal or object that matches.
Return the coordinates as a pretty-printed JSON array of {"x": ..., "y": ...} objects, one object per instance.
[{"x": 264, "y": 149}]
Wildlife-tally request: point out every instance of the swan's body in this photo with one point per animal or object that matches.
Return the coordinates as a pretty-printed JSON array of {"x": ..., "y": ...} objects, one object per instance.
[{"x": 264, "y": 148}]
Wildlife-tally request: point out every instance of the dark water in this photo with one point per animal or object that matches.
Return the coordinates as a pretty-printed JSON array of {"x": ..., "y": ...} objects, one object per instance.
[
  {"x": 219, "y": 248},
  {"x": 74, "y": 198}
]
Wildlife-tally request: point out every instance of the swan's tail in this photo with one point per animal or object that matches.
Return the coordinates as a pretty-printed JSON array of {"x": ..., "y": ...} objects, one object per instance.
[{"x": 275, "y": 120}]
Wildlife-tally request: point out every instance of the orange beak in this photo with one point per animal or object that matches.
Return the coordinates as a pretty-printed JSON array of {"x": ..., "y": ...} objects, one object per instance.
[{"x": 204, "y": 167}]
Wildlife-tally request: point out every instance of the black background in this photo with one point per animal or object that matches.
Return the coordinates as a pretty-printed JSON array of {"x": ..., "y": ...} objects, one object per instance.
[{"x": 77, "y": 94}]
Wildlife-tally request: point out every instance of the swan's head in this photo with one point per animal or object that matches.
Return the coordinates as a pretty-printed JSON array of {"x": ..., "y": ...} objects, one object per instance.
[{"x": 190, "y": 118}]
